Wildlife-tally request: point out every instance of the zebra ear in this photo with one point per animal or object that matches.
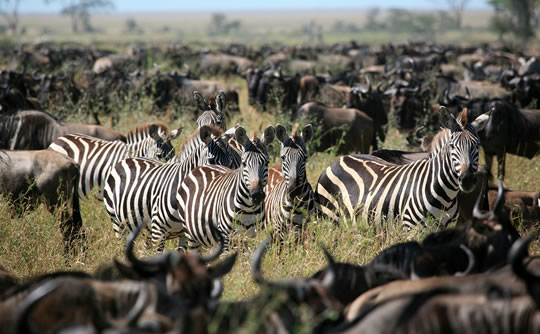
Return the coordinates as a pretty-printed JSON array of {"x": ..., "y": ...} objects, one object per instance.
[
  {"x": 241, "y": 136},
  {"x": 307, "y": 133},
  {"x": 221, "y": 102},
  {"x": 205, "y": 133},
  {"x": 281, "y": 133},
  {"x": 269, "y": 135},
  {"x": 481, "y": 121},
  {"x": 200, "y": 101},
  {"x": 175, "y": 133},
  {"x": 447, "y": 119}
]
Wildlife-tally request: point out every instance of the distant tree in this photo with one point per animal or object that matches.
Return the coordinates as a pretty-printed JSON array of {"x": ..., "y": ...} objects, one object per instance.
[
  {"x": 132, "y": 27},
  {"x": 220, "y": 26},
  {"x": 521, "y": 16},
  {"x": 372, "y": 15},
  {"x": 9, "y": 10},
  {"x": 79, "y": 11},
  {"x": 457, "y": 8}
]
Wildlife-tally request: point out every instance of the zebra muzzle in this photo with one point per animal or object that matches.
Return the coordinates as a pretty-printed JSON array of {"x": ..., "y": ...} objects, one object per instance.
[{"x": 257, "y": 195}]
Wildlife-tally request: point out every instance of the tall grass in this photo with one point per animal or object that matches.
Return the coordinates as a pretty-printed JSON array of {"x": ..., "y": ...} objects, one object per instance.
[{"x": 32, "y": 243}]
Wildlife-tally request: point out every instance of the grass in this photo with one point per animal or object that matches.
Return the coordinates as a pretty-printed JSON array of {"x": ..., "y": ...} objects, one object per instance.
[{"x": 31, "y": 244}]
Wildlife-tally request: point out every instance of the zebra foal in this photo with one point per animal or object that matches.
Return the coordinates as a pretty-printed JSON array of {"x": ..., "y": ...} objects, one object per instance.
[
  {"x": 212, "y": 198},
  {"x": 96, "y": 157},
  {"x": 290, "y": 199},
  {"x": 141, "y": 191},
  {"x": 369, "y": 187}
]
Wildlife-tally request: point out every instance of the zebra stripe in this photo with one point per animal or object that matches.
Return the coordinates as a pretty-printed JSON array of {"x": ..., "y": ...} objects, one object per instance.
[
  {"x": 369, "y": 187},
  {"x": 143, "y": 191},
  {"x": 289, "y": 201},
  {"x": 96, "y": 157},
  {"x": 211, "y": 198}
]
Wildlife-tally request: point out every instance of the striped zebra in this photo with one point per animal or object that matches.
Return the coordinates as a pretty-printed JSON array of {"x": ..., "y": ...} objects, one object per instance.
[
  {"x": 142, "y": 191},
  {"x": 369, "y": 187},
  {"x": 209, "y": 116},
  {"x": 96, "y": 157},
  {"x": 213, "y": 198},
  {"x": 290, "y": 199}
]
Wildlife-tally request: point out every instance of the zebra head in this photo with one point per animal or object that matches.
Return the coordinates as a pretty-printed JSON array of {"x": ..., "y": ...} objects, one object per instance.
[
  {"x": 211, "y": 115},
  {"x": 293, "y": 157},
  {"x": 254, "y": 168},
  {"x": 219, "y": 151},
  {"x": 153, "y": 140},
  {"x": 463, "y": 145}
]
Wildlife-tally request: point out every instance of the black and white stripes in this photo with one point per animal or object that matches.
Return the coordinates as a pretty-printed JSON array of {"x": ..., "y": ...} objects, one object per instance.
[
  {"x": 96, "y": 157},
  {"x": 366, "y": 186},
  {"x": 143, "y": 191},
  {"x": 289, "y": 202},
  {"x": 212, "y": 199}
]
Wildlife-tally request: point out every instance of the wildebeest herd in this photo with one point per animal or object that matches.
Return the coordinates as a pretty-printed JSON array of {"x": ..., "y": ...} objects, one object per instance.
[{"x": 450, "y": 101}]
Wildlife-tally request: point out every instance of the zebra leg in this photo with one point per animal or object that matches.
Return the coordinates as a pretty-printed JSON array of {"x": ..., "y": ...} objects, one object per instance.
[
  {"x": 158, "y": 235},
  {"x": 182, "y": 243}
]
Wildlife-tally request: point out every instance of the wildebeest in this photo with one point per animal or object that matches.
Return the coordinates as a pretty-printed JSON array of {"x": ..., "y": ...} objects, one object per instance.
[
  {"x": 26, "y": 177},
  {"x": 36, "y": 130},
  {"x": 262, "y": 84},
  {"x": 351, "y": 129}
]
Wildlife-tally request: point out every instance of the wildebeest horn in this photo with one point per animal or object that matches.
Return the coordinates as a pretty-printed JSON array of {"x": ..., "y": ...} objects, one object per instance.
[
  {"x": 369, "y": 83},
  {"x": 217, "y": 289},
  {"x": 29, "y": 304},
  {"x": 330, "y": 277},
  {"x": 477, "y": 213},
  {"x": 216, "y": 251},
  {"x": 138, "y": 308},
  {"x": 257, "y": 259},
  {"x": 471, "y": 261},
  {"x": 499, "y": 202},
  {"x": 417, "y": 133},
  {"x": 516, "y": 255},
  {"x": 144, "y": 267},
  {"x": 379, "y": 85},
  {"x": 468, "y": 94}
]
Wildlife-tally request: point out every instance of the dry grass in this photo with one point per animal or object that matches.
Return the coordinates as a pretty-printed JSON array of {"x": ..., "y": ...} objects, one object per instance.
[{"x": 32, "y": 244}]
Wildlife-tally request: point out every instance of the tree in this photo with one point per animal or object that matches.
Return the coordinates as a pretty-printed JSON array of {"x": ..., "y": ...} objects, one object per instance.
[
  {"x": 520, "y": 16},
  {"x": 457, "y": 7},
  {"x": 219, "y": 25},
  {"x": 79, "y": 12},
  {"x": 9, "y": 10}
]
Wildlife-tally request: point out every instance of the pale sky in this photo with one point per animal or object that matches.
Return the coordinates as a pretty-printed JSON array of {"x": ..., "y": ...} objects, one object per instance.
[{"x": 40, "y": 6}]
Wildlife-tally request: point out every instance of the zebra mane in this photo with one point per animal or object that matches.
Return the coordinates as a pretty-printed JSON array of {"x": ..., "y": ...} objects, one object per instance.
[
  {"x": 148, "y": 128},
  {"x": 439, "y": 141}
]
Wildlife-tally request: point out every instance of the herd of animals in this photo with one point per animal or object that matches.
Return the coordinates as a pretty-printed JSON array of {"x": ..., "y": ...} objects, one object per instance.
[{"x": 474, "y": 277}]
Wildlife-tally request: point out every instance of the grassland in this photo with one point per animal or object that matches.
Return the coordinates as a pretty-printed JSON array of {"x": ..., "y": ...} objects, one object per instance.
[{"x": 31, "y": 244}]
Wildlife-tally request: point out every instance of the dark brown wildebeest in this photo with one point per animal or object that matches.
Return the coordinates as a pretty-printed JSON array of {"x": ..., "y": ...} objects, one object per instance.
[
  {"x": 262, "y": 84},
  {"x": 224, "y": 64},
  {"x": 36, "y": 130},
  {"x": 27, "y": 177},
  {"x": 351, "y": 128},
  {"x": 509, "y": 130}
]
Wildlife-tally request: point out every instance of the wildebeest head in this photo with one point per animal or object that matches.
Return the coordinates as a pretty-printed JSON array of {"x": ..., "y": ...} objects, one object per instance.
[
  {"x": 293, "y": 157},
  {"x": 463, "y": 145},
  {"x": 255, "y": 161},
  {"x": 253, "y": 76},
  {"x": 184, "y": 275},
  {"x": 408, "y": 105}
]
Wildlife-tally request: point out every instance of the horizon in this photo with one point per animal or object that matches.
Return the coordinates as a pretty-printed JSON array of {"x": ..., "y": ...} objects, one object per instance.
[{"x": 164, "y": 6}]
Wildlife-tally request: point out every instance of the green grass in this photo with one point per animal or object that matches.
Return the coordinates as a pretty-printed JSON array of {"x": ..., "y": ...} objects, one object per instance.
[{"x": 32, "y": 244}]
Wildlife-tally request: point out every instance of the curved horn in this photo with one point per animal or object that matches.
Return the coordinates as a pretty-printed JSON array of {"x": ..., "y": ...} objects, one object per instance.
[
  {"x": 369, "y": 83},
  {"x": 477, "y": 213},
  {"x": 29, "y": 304},
  {"x": 144, "y": 267},
  {"x": 499, "y": 202},
  {"x": 256, "y": 263},
  {"x": 471, "y": 263},
  {"x": 217, "y": 289},
  {"x": 379, "y": 85},
  {"x": 330, "y": 277},
  {"x": 516, "y": 255},
  {"x": 138, "y": 308},
  {"x": 468, "y": 94},
  {"x": 417, "y": 132},
  {"x": 216, "y": 251}
]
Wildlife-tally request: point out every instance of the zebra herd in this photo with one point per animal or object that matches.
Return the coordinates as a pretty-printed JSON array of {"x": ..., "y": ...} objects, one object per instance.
[{"x": 218, "y": 181}]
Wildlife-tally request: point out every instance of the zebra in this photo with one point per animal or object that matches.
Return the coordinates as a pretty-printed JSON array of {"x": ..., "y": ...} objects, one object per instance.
[
  {"x": 372, "y": 188},
  {"x": 96, "y": 157},
  {"x": 290, "y": 199},
  {"x": 140, "y": 191},
  {"x": 209, "y": 116},
  {"x": 212, "y": 198}
]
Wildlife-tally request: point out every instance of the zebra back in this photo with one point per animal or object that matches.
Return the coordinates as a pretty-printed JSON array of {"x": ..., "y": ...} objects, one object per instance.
[
  {"x": 292, "y": 197},
  {"x": 368, "y": 187},
  {"x": 215, "y": 196},
  {"x": 96, "y": 157}
]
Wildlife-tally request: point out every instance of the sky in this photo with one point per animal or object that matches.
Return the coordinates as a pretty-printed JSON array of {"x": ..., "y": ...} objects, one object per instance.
[{"x": 53, "y": 6}]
